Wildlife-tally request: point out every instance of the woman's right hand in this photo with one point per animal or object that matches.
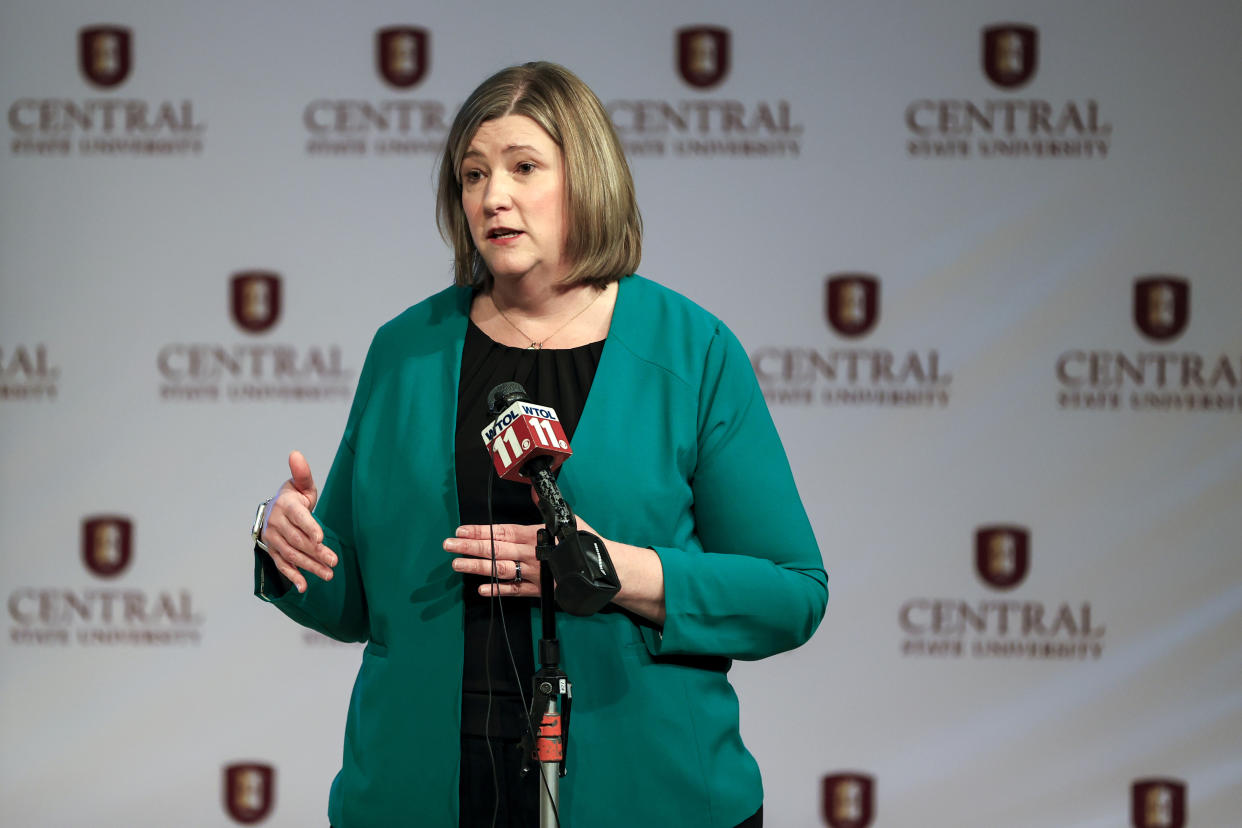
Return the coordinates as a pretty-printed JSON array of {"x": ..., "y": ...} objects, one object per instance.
[{"x": 293, "y": 538}]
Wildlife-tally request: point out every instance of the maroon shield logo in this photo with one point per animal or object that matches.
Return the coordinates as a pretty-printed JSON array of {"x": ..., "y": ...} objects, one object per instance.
[
  {"x": 401, "y": 54},
  {"x": 255, "y": 300},
  {"x": 104, "y": 54},
  {"x": 848, "y": 800},
  {"x": 703, "y": 55},
  {"x": 1010, "y": 54},
  {"x": 249, "y": 791},
  {"x": 107, "y": 544},
  {"x": 1161, "y": 306},
  {"x": 1002, "y": 555},
  {"x": 853, "y": 303},
  {"x": 1158, "y": 803}
]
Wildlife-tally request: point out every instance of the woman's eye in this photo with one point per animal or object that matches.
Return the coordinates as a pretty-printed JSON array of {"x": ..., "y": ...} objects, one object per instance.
[
  {"x": 526, "y": 167},
  {"x": 472, "y": 175}
]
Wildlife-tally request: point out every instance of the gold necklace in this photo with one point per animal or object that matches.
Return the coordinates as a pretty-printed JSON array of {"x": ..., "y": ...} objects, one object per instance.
[{"x": 537, "y": 345}]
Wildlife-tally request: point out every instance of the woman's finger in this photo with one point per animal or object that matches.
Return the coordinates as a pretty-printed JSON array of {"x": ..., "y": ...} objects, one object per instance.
[
  {"x": 294, "y": 556},
  {"x": 290, "y": 572},
  {"x": 502, "y": 532},
  {"x": 280, "y": 523},
  {"x": 506, "y": 589}
]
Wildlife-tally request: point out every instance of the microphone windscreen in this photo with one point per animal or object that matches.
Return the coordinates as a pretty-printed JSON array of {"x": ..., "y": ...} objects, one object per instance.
[{"x": 505, "y": 395}]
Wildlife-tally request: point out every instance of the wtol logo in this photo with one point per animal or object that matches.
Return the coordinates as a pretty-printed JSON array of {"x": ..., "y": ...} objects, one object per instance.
[
  {"x": 1007, "y": 127},
  {"x": 1156, "y": 379},
  {"x": 252, "y": 371},
  {"x": 389, "y": 126},
  {"x": 104, "y": 126},
  {"x": 1000, "y": 627},
  {"x": 872, "y": 376},
  {"x": 115, "y": 614},
  {"x": 705, "y": 127}
]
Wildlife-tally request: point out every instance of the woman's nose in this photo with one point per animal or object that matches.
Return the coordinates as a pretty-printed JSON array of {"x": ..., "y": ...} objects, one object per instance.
[{"x": 497, "y": 196}]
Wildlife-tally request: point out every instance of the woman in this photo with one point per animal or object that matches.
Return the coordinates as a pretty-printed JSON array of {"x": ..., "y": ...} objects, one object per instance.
[{"x": 676, "y": 465}]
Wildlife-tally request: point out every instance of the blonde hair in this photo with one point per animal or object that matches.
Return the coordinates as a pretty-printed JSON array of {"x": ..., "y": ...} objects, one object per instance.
[{"x": 605, "y": 232}]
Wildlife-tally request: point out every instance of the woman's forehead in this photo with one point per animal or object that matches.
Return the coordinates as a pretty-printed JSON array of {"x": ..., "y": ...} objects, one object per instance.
[{"x": 510, "y": 130}]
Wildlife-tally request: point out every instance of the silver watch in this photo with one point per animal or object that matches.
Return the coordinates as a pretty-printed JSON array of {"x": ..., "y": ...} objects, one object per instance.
[{"x": 256, "y": 531}]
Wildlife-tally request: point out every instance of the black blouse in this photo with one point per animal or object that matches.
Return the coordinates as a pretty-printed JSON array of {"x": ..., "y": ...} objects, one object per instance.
[{"x": 560, "y": 379}]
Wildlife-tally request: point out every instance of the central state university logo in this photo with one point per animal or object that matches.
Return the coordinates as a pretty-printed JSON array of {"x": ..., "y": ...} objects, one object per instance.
[
  {"x": 249, "y": 791},
  {"x": 1002, "y": 555},
  {"x": 1158, "y": 803},
  {"x": 401, "y": 55},
  {"x": 104, "y": 54},
  {"x": 107, "y": 544},
  {"x": 1161, "y": 306},
  {"x": 852, "y": 303},
  {"x": 1010, "y": 54},
  {"x": 703, "y": 55},
  {"x": 255, "y": 300},
  {"x": 848, "y": 800}
]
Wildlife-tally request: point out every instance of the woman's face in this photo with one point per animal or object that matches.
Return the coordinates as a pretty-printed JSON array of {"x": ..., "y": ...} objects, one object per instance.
[{"x": 513, "y": 194}]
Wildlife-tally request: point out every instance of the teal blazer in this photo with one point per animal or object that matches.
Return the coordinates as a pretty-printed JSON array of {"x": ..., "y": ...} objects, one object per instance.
[{"x": 675, "y": 451}]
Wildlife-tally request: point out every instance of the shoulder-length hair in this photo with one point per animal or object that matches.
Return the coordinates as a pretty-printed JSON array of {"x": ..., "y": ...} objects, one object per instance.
[{"x": 604, "y": 233}]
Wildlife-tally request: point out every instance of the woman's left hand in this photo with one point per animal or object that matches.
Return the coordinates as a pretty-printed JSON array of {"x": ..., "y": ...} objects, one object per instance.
[
  {"x": 642, "y": 576},
  {"x": 517, "y": 568}
]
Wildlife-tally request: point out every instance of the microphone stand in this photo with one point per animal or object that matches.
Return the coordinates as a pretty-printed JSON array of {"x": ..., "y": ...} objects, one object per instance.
[
  {"x": 552, "y": 693},
  {"x": 550, "y": 700},
  {"x": 587, "y": 582}
]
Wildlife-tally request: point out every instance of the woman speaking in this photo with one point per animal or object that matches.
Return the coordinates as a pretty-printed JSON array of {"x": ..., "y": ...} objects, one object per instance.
[{"x": 676, "y": 465}]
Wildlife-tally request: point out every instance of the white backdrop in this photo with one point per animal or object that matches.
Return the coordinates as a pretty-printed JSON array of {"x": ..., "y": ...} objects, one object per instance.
[{"x": 1016, "y": 370}]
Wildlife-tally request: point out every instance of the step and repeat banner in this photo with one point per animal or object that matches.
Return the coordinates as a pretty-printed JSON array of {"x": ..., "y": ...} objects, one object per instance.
[{"x": 984, "y": 258}]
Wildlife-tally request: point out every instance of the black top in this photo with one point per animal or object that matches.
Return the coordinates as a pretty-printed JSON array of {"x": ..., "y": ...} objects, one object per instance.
[{"x": 559, "y": 379}]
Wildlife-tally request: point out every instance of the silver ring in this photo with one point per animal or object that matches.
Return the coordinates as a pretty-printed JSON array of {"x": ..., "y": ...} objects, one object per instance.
[{"x": 517, "y": 572}]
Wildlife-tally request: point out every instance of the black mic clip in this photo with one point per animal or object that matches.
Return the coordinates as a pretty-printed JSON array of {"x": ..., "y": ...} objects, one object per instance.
[{"x": 585, "y": 578}]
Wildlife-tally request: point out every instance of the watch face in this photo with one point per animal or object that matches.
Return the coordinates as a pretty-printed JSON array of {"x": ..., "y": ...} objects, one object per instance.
[{"x": 257, "y": 529}]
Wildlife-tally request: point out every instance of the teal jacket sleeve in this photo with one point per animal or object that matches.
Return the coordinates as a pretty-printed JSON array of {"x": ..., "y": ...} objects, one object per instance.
[
  {"x": 751, "y": 582},
  {"x": 336, "y": 608}
]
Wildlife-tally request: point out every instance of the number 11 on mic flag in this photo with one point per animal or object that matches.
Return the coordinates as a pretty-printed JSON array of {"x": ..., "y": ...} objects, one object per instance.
[{"x": 522, "y": 432}]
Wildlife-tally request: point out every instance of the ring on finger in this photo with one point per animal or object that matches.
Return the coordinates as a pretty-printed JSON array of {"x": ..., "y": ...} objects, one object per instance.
[{"x": 517, "y": 572}]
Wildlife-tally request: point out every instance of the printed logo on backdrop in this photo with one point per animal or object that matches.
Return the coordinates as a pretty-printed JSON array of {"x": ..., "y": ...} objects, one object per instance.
[
  {"x": 256, "y": 300},
  {"x": 852, "y": 303},
  {"x": 253, "y": 370},
  {"x": 872, "y": 375},
  {"x": 68, "y": 123},
  {"x": 1129, "y": 376},
  {"x": 107, "y": 544},
  {"x": 401, "y": 55},
  {"x": 703, "y": 55},
  {"x": 963, "y": 125},
  {"x": 1161, "y": 306},
  {"x": 363, "y": 124},
  {"x": 104, "y": 54},
  {"x": 848, "y": 800},
  {"x": 1158, "y": 803},
  {"x": 111, "y": 612},
  {"x": 1007, "y": 625},
  {"x": 1002, "y": 555},
  {"x": 1010, "y": 54},
  {"x": 663, "y": 125},
  {"x": 249, "y": 791},
  {"x": 27, "y": 373}
]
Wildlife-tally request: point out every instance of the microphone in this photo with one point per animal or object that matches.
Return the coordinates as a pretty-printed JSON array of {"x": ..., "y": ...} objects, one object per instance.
[
  {"x": 521, "y": 433},
  {"x": 527, "y": 443}
]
